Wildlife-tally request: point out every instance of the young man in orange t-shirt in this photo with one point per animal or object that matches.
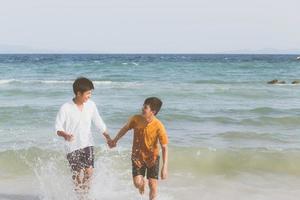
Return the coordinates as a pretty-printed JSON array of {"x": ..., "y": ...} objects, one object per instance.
[{"x": 148, "y": 131}]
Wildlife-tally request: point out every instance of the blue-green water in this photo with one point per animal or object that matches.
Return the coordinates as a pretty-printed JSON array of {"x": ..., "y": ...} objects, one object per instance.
[{"x": 226, "y": 125}]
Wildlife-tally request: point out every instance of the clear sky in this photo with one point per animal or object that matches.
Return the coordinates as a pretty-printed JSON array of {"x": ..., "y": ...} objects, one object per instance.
[{"x": 149, "y": 26}]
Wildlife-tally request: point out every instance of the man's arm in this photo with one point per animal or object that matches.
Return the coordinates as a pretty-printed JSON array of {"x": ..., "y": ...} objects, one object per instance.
[
  {"x": 120, "y": 134},
  {"x": 59, "y": 125},
  {"x": 100, "y": 125},
  {"x": 163, "y": 140},
  {"x": 107, "y": 137},
  {"x": 164, "y": 169}
]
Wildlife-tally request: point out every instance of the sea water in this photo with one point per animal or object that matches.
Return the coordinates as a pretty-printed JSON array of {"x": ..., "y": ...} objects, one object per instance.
[{"x": 231, "y": 135}]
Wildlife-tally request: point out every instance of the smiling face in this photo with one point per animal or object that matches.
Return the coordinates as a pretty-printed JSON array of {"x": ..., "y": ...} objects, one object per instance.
[
  {"x": 84, "y": 97},
  {"x": 147, "y": 112}
]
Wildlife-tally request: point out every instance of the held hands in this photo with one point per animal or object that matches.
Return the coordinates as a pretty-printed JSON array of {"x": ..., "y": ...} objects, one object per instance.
[{"x": 111, "y": 143}]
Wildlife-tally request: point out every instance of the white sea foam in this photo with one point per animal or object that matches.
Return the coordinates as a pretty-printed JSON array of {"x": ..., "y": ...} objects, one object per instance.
[
  {"x": 6, "y": 81},
  {"x": 104, "y": 83},
  {"x": 287, "y": 84},
  {"x": 112, "y": 179}
]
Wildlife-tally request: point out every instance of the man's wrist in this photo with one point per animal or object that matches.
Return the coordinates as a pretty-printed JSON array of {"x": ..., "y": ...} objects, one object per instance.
[{"x": 105, "y": 134}]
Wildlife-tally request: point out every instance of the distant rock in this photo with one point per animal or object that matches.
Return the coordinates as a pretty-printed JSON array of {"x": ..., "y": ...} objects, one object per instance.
[
  {"x": 296, "y": 82},
  {"x": 275, "y": 81}
]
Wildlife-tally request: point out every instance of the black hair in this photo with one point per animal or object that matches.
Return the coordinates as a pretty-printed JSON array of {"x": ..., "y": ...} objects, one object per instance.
[
  {"x": 82, "y": 85},
  {"x": 154, "y": 103}
]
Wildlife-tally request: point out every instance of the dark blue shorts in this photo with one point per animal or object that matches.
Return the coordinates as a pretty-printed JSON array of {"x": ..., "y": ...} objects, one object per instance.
[{"x": 81, "y": 158}]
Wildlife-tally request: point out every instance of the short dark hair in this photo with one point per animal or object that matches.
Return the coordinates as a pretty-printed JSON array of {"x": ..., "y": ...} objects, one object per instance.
[
  {"x": 82, "y": 85},
  {"x": 154, "y": 103}
]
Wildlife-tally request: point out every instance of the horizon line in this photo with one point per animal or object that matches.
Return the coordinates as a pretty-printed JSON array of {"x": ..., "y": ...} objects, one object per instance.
[{"x": 131, "y": 53}]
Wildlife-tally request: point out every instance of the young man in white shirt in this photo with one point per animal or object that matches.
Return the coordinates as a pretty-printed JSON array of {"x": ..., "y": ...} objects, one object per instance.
[{"x": 73, "y": 123}]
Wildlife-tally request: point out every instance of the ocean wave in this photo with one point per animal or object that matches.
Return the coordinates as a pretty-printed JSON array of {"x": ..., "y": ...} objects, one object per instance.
[
  {"x": 266, "y": 120},
  {"x": 233, "y": 161},
  {"x": 258, "y": 121},
  {"x": 47, "y": 81},
  {"x": 27, "y": 115},
  {"x": 120, "y": 84},
  {"x": 263, "y": 111},
  {"x": 252, "y": 119},
  {"x": 7, "y": 81},
  {"x": 286, "y": 84},
  {"x": 257, "y": 110},
  {"x": 222, "y": 82},
  {"x": 248, "y": 135},
  {"x": 199, "y": 161}
]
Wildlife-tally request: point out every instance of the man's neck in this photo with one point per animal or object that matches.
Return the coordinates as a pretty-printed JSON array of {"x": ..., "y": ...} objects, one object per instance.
[
  {"x": 150, "y": 119},
  {"x": 77, "y": 101}
]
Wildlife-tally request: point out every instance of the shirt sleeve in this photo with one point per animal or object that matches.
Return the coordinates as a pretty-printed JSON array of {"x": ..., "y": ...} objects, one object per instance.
[
  {"x": 162, "y": 135},
  {"x": 97, "y": 120},
  {"x": 60, "y": 120}
]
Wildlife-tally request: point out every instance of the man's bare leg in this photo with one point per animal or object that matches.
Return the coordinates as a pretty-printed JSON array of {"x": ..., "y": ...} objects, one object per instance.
[
  {"x": 153, "y": 189},
  {"x": 139, "y": 183},
  {"x": 76, "y": 179},
  {"x": 88, "y": 173}
]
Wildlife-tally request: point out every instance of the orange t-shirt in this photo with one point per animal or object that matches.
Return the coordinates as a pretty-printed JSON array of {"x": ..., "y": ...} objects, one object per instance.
[{"x": 145, "y": 147}]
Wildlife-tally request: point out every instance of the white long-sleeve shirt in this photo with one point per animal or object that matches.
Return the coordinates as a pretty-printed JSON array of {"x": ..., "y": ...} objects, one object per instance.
[{"x": 72, "y": 120}]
